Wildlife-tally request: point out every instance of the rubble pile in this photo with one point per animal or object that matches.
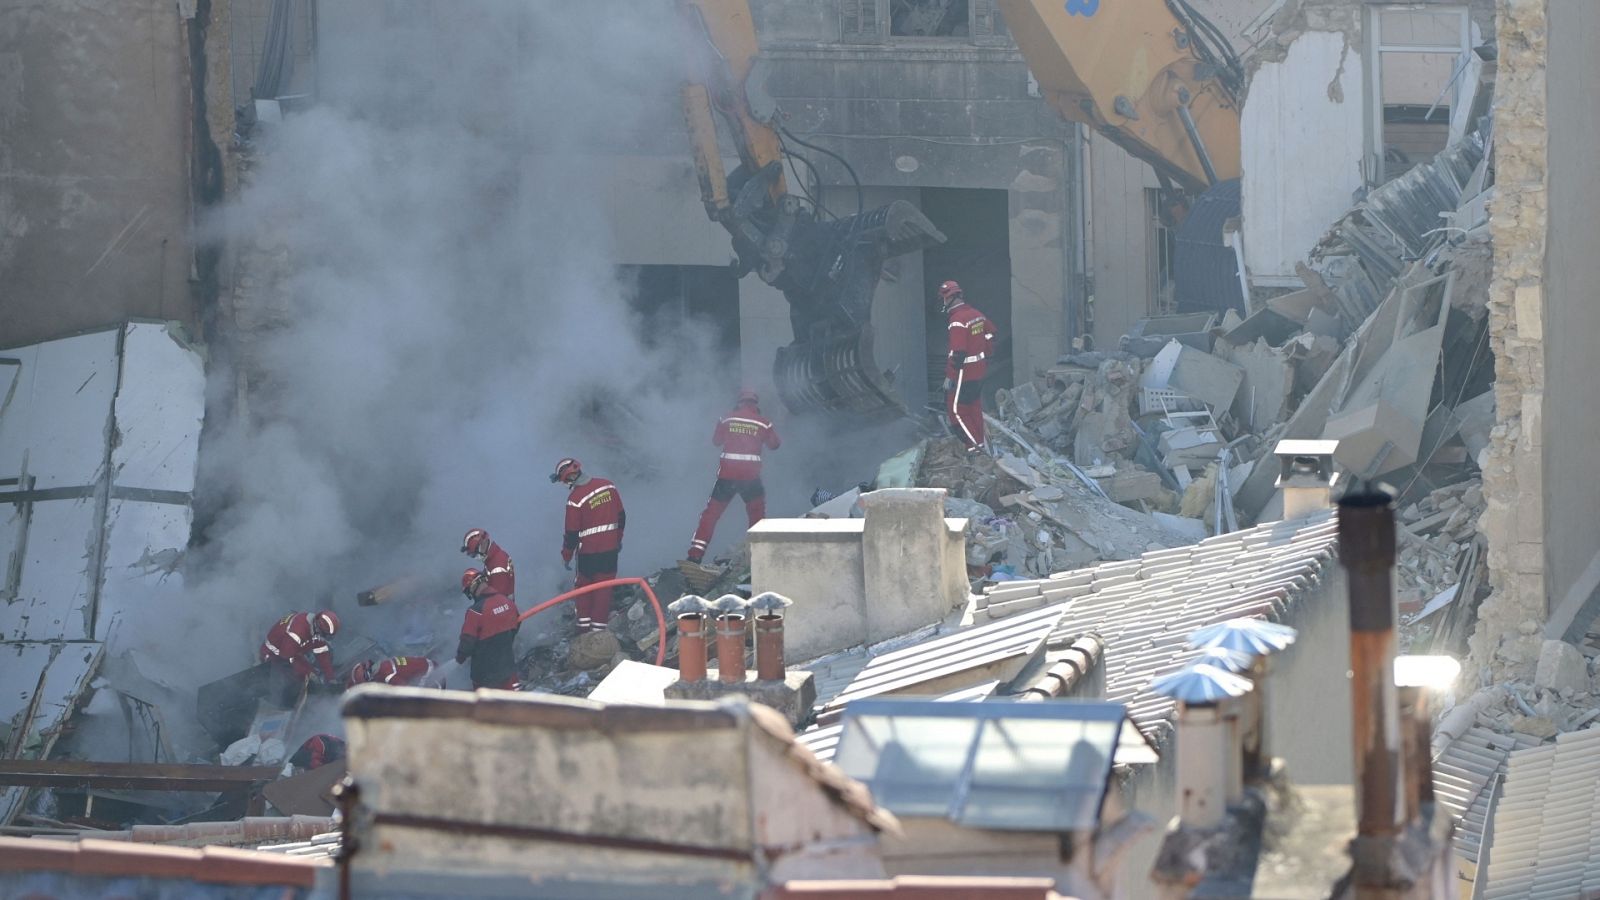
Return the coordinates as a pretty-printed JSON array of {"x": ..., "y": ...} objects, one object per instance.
[
  {"x": 1032, "y": 513},
  {"x": 1564, "y": 695}
]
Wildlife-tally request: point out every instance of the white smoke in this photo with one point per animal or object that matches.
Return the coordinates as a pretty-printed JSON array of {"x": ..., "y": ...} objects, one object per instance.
[{"x": 453, "y": 305}]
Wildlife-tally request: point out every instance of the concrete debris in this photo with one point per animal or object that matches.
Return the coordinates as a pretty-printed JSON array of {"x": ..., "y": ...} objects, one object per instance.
[{"x": 1562, "y": 668}]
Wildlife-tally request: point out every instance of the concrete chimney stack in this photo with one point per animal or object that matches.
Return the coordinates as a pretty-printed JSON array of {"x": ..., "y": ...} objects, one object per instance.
[
  {"x": 690, "y": 611},
  {"x": 1208, "y": 751},
  {"x": 731, "y": 637},
  {"x": 1257, "y": 640},
  {"x": 769, "y": 609},
  {"x": 1367, "y": 552},
  {"x": 1306, "y": 476}
]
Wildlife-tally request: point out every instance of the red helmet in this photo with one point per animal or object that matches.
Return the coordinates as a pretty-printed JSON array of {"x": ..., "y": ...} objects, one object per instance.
[
  {"x": 747, "y": 395},
  {"x": 325, "y": 623},
  {"x": 470, "y": 579},
  {"x": 362, "y": 673},
  {"x": 476, "y": 543},
  {"x": 948, "y": 292},
  {"x": 567, "y": 471}
]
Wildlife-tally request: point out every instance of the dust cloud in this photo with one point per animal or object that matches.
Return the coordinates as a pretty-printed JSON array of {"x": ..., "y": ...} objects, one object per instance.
[{"x": 453, "y": 322}]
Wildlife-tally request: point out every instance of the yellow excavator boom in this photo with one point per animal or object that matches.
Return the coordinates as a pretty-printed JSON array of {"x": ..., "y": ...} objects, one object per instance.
[{"x": 1138, "y": 72}]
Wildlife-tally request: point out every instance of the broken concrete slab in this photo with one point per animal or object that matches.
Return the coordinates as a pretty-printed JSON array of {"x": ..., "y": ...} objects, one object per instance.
[
  {"x": 1205, "y": 377},
  {"x": 1561, "y": 667},
  {"x": 1263, "y": 399},
  {"x": 1131, "y": 485},
  {"x": 636, "y": 683}
]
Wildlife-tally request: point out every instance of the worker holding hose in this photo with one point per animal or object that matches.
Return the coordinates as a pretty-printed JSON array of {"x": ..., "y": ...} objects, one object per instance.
[
  {"x": 971, "y": 341},
  {"x": 595, "y": 520}
]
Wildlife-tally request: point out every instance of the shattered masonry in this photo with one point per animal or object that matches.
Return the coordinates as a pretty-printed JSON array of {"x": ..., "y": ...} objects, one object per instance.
[{"x": 1507, "y": 641}]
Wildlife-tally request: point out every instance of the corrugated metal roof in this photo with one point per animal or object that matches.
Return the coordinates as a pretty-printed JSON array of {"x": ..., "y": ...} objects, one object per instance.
[
  {"x": 1146, "y": 608},
  {"x": 1546, "y": 840},
  {"x": 1461, "y": 778}
]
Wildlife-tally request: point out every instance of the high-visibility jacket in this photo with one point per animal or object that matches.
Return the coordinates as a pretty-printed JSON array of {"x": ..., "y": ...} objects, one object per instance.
[
  {"x": 292, "y": 641},
  {"x": 403, "y": 670},
  {"x": 743, "y": 434},
  {"x": 595, "y": 519},
  {"x": 488, "y": 634},
  {"x": 971, "y": 341},
  {"x": 498, "y": 569}
]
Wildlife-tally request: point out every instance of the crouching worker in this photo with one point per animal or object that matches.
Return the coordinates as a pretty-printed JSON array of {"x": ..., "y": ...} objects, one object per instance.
[
  {"x": 403, "y": 671},
  {"x": 488, "y": 634},
  {"x": 297, "y": 648}
]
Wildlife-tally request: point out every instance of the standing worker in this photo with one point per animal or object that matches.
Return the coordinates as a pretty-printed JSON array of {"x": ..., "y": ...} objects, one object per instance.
[
  {"x": 297, "y": 648},
  {"x": 595, "y": 521},
  {"x": 742, "y": 434},
  {"x": 496, "y": 561},
  {"x": 489, "y": 634},
  {"x": 971, "y": 340}
]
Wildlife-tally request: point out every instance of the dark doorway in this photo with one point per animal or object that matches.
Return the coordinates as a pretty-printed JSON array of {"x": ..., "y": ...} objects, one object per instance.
[
  {"x": 978, "y": 255},
  {"x": 701, "y": 297}
]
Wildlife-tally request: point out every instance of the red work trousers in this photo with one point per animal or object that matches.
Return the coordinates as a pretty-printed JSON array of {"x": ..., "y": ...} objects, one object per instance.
[
  {"x": 594, "y": 608},
  {"x": 751, "y": 491},
  {"x": 965, "y": 408}
]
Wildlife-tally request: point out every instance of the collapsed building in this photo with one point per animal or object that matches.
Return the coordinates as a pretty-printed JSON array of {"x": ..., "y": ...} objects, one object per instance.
[{"x": 1413, "y": 304}]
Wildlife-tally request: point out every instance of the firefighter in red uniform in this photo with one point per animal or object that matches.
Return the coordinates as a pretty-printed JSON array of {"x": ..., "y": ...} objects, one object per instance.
[
  {"x": 296, "y": 648},
  {"x": 595, "y": 521},
  {"x": 971, "y": 340},
  {"x": 489, "y": 634},
  {"x": 496, "y": 561},
  {"x": 742, "y": 435},
  {"x": 404, "y": 671}
]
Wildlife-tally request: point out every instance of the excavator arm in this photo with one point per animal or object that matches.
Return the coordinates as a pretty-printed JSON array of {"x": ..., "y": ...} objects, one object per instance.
[
  {"x": 827, "y": 269},
  {"x": 1159, "y": 80},
  {"x": 1147, "y": 74}
]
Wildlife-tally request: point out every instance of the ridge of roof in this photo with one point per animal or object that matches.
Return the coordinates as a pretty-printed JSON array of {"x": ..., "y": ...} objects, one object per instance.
[{"x": 1145, "y": 608}]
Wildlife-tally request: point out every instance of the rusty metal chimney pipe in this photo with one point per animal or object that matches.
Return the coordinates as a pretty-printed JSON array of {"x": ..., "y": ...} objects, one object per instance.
[
  {"x": 769, "y": 647},
  {"x": 692, "y": 647},
  {"x": 1367, "y": 553},
  {"x": 1413, "y": 707},
  {"x": 730, "y": 648}
]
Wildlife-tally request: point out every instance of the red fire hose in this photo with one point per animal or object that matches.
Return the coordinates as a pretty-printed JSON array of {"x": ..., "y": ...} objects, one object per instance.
[{"x": 661, "y": 620}]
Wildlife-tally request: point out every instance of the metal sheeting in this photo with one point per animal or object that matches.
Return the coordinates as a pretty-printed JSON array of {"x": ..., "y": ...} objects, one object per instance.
[
  {"x": 1546, "y": 840},
  {"x": 99, "y": 442},
  {"x": 1393, "y": 226},
  {"x": 1014, "y": 639}
]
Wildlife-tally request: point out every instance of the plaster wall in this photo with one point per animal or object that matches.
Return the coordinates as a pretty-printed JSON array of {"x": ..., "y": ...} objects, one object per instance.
[
  {"x": 859, "y": 581},
  {"x": 99, "y": 149},
  {"x": 817, "y": 564},
  {"x": 640, "y": 785},
  {"x": 1304, "y": 115},
  {"x": 1566, "y": 430}
]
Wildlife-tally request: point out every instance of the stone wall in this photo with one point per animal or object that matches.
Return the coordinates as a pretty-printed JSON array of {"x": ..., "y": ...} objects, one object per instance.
[{"x": 1507, "y": 641}]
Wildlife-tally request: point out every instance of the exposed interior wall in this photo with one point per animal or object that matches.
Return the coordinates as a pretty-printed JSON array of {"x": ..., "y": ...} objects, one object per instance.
[
  {"x": 1506, "y": 642},
  {"x": 1119, "y": 239},
  {"x": 1570, "y": 423},
  {"x": 1045, "y": 276},
  {"x": 1301, "y": 152},
  {"x": 108, "y": 139}
]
